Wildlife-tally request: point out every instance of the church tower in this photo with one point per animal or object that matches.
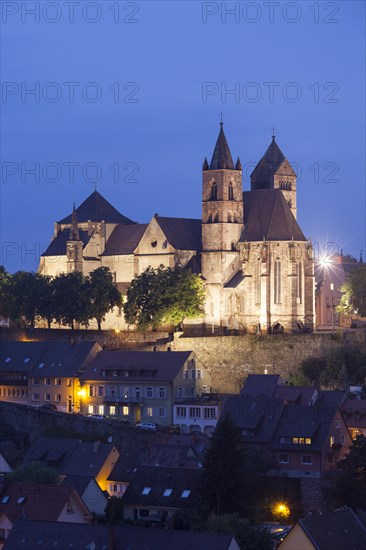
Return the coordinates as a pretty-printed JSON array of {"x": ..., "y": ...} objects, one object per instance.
[
  {"x": 74, "y": 246},
  {"x": 274, "y": 171}
]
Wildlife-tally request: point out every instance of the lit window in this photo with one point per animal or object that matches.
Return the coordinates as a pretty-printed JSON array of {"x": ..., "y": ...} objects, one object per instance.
[
  {"x": 101, "y": 409},
  {"x": 149, "y": 411},
  {"x": 167, "y": 492},
  {"x": 125, "y": 410},
  {"x": 331, "y": 440},
  {"x": 68, "y": 382},
  {"x": 146, "y": 490},
  {"x": 90, "y": 409},
  {"x": 295, "y": 440},
  {"x": 331, "y": 286},
  {"x": 185, "y": 493},
  {"x": 112, "y": 410},
  {"x": 307, "y": 440}
]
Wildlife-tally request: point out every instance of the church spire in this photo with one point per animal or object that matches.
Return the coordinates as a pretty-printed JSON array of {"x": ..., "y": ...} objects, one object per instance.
[
  {"x": 221, "y": 158},
  {"x": 74, "y": 230}
]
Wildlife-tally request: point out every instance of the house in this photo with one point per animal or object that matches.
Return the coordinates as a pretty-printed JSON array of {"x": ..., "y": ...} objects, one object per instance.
[
  {"x": 39, "y": 502},
  {"x": 338, "y": 530},
  {"x": 272, "y": 386},
  {"x": 71, "y": 457},
  {"x": 197, "y": 415},
  {"x": 134, "y": 385},
  {"x": 155, "y": 493},
  {"x": 25, "y": 535},
  {"x": 257, "y": 264},
  {"x": 122, "y": 472},
  {"x": 179, "y": 454},
  {"x": 38, "y": 373},
  {"x": 89, "y": 491},
  {"x": 354, "y": 415}
]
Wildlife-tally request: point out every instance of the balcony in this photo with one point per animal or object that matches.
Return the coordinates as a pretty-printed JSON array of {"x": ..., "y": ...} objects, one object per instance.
[{"x": 122, "y": 400}]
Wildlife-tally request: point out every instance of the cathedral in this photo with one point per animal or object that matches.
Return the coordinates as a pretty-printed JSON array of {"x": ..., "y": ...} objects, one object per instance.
[{"x": 256, "y": 263}]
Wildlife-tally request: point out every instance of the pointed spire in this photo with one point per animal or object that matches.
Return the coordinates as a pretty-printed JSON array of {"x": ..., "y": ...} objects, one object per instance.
[
  {"x": 221, "y": 158},
  {"x": 238, "y": 165},
  {"x": 74, "y": 230},
  {"x": 205, "y": 165}
]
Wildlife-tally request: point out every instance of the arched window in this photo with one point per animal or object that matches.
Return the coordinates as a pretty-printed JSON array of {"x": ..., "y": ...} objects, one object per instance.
[
  {"x": 229, "y": 218},
  {"x": 214, "y": 191},
  {"x": 277, "y": 281},
  {"x": 209, "y": 220},
  {"x": 231, "y": 192},
  {"x": 216, "y": 219},
  {"x": 233, "y": 247}
]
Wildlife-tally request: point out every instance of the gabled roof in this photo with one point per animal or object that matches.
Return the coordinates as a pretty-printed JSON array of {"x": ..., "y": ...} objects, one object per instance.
[
  {"x": 159, "y": 479},
  {"x": 128, "y": 460},
  {"x": 140, "y": 365},
  {"x": 55, "y": 450},
  {"x": 46, "y": 535},
  {"x": 87, "y": 459},
  {"x": 261, "y": 384},
  {"x": 124, "y": 239},
  {"x": 301, "y": 395},
  {"x": 172, "y": 455},
  {"x": 61, "y": 359},
  {"x": 338, "y": 530},
  {"x": 58, "y": 245},
  {"x": 96, "y": 209},
  {"x": 182, "y": 233},
  {"x": 267, "y": 215},
  {"x": 20, "y": 356},
  {"x": 221, "y": 157},
  {"x": 42, "y": 502},
  {"x": 81, "y": 483}
]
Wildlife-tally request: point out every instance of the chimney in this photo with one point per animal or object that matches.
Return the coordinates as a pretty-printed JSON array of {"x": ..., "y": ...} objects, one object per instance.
[{"x": 96, "y": 446}]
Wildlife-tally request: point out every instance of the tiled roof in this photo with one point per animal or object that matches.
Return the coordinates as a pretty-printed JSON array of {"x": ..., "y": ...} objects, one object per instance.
[
  {"x": 172, "y": 455},
  {"x": 96, "y": 209},
  {"x": 267, "y": 215},
  {"x": 43, "y": 535},
  {"x": 140, "y": 365},
  {"x": 221, "y": 158},
  {"x": 87, "y": 459},
  {"x": 338, "y": 530},
  {"x": 124, "y": 239},
  {"x": 57, "y": 246},
  {"x": 182, "y": 233},
  {"x": 42, "y": 502},
  {"x": 20, "y": 356},
  {"x": 55, "y": 450},
  {"x": 130, "y": 457},
  {"x": 235, "y": 280},
  {"x": 260, "y": 384},
  {"x": 61, "y": 359},
  {"x": 194, "y": 264},
  {"x": 273, "y": 161},
  {"x": 159, "y": 479},
  {"x": 301, "y": 395}
]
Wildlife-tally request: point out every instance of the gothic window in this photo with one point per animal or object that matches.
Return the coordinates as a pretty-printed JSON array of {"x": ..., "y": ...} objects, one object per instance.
[
  {"x": 231, "y": 192},
  {"x": 216, "y": 217},
  {"x": 298, "y": 282},
  {"x": 214, "y": 191},
  {"x": 233, "y": 247},
  {"x": 258, "y": 281},
  {"x": 277, "y": 281},
  {"x": 209, "y": 220},
  {"x": 235, "y": 218},
  {"x": 229, "y": 218}
]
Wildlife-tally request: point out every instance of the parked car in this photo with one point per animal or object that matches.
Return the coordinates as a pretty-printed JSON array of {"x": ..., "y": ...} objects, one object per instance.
[
  {"x": 97, "y": 416},
  {"x": 146, "y": 426},
  {"x": 48, "y": 407}
]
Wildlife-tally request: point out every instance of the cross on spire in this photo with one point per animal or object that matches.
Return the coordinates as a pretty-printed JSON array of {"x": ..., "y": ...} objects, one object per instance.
[
  {"x": 221, "y": 121},
  {"x": 273, "y": 132}
]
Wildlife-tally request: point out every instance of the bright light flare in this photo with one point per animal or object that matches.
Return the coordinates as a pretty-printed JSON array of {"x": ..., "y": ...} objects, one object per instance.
[{"x": 281, "y": 509}]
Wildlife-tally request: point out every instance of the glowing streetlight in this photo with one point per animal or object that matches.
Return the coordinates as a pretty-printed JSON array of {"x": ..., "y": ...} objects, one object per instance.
[{"x": 281, "y": 509}]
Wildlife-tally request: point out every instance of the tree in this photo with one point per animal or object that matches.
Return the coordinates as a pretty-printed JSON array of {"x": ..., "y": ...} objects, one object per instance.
[
  {"x": 104, "y": 295},
  {"x": 312, "y": 368},
  {"x": 349, "y": 486},
  {"x": 164, "y": 295},
  {"x": 46, "y": 303},
  {"x": 232, "y": 474},
  {"x": 34, "y": 472},
  {"x": 354, "y": 292},
  {"x": 72, "y": 299},
  {"x": 344, "y": 366},
  {"x": 24, "y": 294},
  {"x": 5, "y": 280}
]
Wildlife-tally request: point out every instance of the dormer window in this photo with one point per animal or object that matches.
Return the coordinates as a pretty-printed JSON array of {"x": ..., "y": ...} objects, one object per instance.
[
  {"x": 214, "y": 192},
  {"x": 167, "y": 492},
  {"x": 146, "y": 490},
  {"x": 185, "y": 493}
]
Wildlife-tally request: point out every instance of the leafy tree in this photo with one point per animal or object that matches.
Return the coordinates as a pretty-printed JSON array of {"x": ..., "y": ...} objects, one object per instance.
[
  {"x": 354, "y": 292},
  {"x": 104, "y": 295},
  {"x": 349, "y": 486},
  {"x": 164, "y": 295},
  {"x": 5, "y": 280},
  {"x": 344, "y": 366},
  {"x": 72, "y": 299},
  {"x": 114, "y": 510},
  {"x": 46, "y": 303},
  {"x": 232, "y": 473},
  {"x": 24, "y": 294},
  {"x": 246, "y": 536},
  {"x": 312, "y": 368},
  {"x": 34, "y": 472}
]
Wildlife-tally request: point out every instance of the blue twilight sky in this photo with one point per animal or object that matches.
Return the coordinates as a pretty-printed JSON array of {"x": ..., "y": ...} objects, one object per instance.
[{"x": 130, "y": 94}]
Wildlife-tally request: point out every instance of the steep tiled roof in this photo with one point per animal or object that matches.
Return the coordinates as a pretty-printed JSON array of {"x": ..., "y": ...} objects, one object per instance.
[
  {"x": 50, "y": 450},
  {"x": 235, "y": 280},
  {"x": 272, "y": 161},
  {"x": 124, "y": 239},
  {"x": 42, "y": 502},
  {"x": 61, "y": 359},
  {"x": 43, "y": 535},
  {"x": 301, "y": 395},
  {"x": 221, "y": 158},
  {"x": 268, "y": 215},
  {"x": 172, "y": 455},
  {"x": 96, "y": 209},
  {"x": 87, "y": 459},
  {"x": 141, "y": 365},
  {"x": 20, "y": 356},
  {"x": 261, "y": 384},
  {"x": 129, "y": 458},
  {"x": 57, "y": 246},
  {"x": 182, "y": 233}
]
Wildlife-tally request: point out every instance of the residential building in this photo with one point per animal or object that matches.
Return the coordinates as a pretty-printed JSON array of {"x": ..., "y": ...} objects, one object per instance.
[
  {"x": 39, "y": 502},
  {"x": 272, "y": 386},
  {"x": 122, "y": 472},
  {"x": 338, "y": 530},
  {"x": 354, "y": 416},
  {"x": 155, "y": 493},
  {"x": 197, "y": 415},
  {"x": 135, "y": 386},
  {"x": 256, "y": 262},
  {"x": 89, "y": 491},
  {"x": 64, "y": 536}
]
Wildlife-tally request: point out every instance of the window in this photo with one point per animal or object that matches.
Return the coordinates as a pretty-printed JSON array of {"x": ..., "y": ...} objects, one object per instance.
[
  {"x": 35, "y": 381},
  {"x": 331, "y": 286},
  {"x": 70, "y": 508},
  {"x": 58, "y": 397},
  {"x": 229, "y": 218},
  {"x": 214, "y": 191},
  {"x": 337, "y": 424},
  {"x": 198, "y": 374},
  {"x": 167, "y": 492},
  {"x": 35, "y": 397},
  {"x": 306, "y": 459},
  {"x": 57, "y": 381},
  {"x": 185, "y": 374},
  {"x": 162, "y": 412},
  {"x": 5, "y": 499},
  {"x": 216, "y": 219},
  {"x": 277, "y": 281},
  {"x": 101, "y": 391},
  {"x": 342, "y": 439},
  {"x": 193, "y": 374},
  {"x": 91, "y": 390},
  {"x": 146, "y": 490},
  {"x": 47, "y": 381},
  {"x": 149, "y": 411},
  {"x": 149, "y": 392},
  {"x": 231, "y": 192},
  {"x": 47, "y": 397},
  {"x": 162, "y": 394},
  {"x": 68, "y": 382},
  {"x": 194, "y": 412},
  {"x": 21, "y": 500},
  {"x": 209, "y": 219},
  {"x": 90, "y": 409},
  {"x": 112, "y": 410},
  {"x": 209, "y": 412},
  {"x": 180, "y": 392},
  {"x": 181, "y": 412},
  {"x": 298, "y": 282},
  {"x": 283, "y": 458},
  {"x": 137, "y": 392},
  {"x": 258, "y": 281},
  {"x": 331, "y": 440},
  {"x": 327, "y": 303},
  {"x": 185, "y": 493},
  {"x": 101, "y": 409},
  {"x": 119, "y": 312},
  {"x": 126, "y": 410}
]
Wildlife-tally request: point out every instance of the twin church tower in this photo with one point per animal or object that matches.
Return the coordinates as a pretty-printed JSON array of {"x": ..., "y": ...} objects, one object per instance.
[{"x": 254, "y": 259}]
